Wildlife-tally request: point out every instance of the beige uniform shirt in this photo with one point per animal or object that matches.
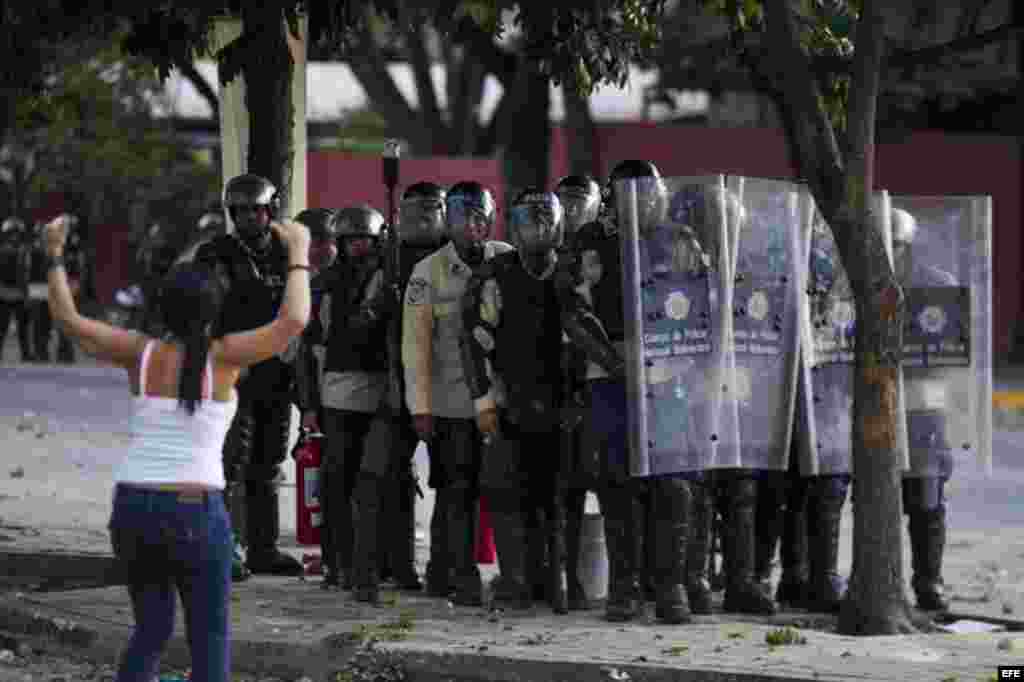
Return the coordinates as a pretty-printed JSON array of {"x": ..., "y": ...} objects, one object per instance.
[{"x": 431, "y": 325}]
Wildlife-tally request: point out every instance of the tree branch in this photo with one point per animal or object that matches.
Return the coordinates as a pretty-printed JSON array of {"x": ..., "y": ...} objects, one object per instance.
[
  {"x": 188, "y": 70},
  {"x": 930, "y": 54},
  {"x": 721, "y": 48},
  {"x": 814, "y": 137},
  {"x": 860, "y": 152},
  {"x": 497, "y": 61},
  {"x": 429, "y": 108},
  {"x": 369, "y": 68},
  {"x": 465, "y": 90}
]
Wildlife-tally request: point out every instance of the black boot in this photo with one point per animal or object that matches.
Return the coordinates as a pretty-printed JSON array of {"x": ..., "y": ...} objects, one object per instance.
[
  {"x": 670, "y": 502},
  {"x": 366, "y": 531},
  {"x": 645, "y": 548},
  {"x": 574, "y": 510},
  {"x": 792, "y": 588},
  {"x": 742, "y": 594},
  {"x": 328, "y": 556},
  {"x": 826, "y": 587},
  {"x": 768, "y": 528},
  {"x": 507, "y": 520},
  {"x": 461, "y": 543},
  {"x": 403, "y": 549},
  {"x": 263, "y": 525},
  {"x": 336, "y": 532},
  {"x": 536, "y": 552},
  {"x": 928, "y": 541},
  {"x": 234, "y": 500},
  {"x": 619, "y": 531},
  {"x": 438, "y": 573},
  {"x": 556, "y": 584},
  {"x": 698, "y": 587}
]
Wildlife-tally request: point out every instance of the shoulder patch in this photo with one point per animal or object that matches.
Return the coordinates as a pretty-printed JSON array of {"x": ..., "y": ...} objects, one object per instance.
[{"x": 416, "y": 293}]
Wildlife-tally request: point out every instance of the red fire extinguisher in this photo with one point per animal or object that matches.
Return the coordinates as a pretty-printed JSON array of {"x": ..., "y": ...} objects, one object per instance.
[{"x": 307, "y": 487}]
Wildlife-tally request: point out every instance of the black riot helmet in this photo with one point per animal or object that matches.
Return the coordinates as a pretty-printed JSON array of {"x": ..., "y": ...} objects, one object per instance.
[
  {"x": 361, "y": 220},
  {"x": 651, "y": 195},
  {"x": 581, "y": 200},
  {"x": 320, "y": 222},
  {"x": 243, "y": 194},
  {"x": 469, "y": 214},
  {"x": 536, "y": 221},
  {"x": 421, "y": 215}
]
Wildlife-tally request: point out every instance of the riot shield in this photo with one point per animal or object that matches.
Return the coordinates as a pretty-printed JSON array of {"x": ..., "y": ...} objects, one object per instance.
[
  {"x": 673, "y": 268},
  {"x": 944, "y": 266},
  {"x": 827, "y": 316},
  {"x": 762, "y": 349}
]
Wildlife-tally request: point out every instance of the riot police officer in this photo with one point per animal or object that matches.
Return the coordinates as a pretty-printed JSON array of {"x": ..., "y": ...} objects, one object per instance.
[
  {"x": 15, "y": 263},
  {"x": 436, "y": 390},
  {"x": 595, "y": 322},
  {"x": 252, "y": 262},
  {"x": 580, "y": 196},
  {"x": 511, "y": 303},
  {"x": 354, "y": 382},
  {"x": 929, "y": 424},
  {"x": 387, "y": 465},
  {"x": 309, "y": 352},
  {"x": 803, "y": 506}
]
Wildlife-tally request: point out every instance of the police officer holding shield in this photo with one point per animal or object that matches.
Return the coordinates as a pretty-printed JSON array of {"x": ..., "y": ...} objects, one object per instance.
[
  {"x": 599, "y": 322},
  {"x": 803, "y": 506},
  {"x": 929, "y": 411}
]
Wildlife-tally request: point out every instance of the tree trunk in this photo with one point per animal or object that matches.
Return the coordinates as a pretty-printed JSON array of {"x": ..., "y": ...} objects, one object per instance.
[
  {"x": 524, "y": 133},
  {"x": 842, "y": 181},
  {"x": 268, "y": 69},
  {"x": 579, "y": 123},
  {"x": 876, "y": 602}
]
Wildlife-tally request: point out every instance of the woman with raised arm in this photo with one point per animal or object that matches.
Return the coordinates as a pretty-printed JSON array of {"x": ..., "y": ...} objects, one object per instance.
[{"x": 169, "y": 526}]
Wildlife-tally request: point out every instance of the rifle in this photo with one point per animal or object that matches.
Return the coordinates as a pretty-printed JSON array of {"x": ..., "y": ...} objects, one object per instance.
[{"x": 393, "y": 274}]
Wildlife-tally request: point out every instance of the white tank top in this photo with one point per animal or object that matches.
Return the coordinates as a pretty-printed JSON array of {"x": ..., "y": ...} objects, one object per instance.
[{"x": 168, "y": 445}]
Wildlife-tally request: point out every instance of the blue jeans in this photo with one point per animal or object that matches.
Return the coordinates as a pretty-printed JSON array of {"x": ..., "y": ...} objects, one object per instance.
[{"x": 167, "y": 540}]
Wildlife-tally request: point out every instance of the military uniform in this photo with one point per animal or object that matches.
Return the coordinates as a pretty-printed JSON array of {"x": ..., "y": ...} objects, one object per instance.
[
  {"x": 435, "y": 385},
  {"x": 257, "y": 442},
  {"x": 511, "y": 303}
]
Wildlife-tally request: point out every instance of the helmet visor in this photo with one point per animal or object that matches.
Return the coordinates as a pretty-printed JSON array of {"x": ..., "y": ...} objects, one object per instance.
[{"x": 420, "y": 219}]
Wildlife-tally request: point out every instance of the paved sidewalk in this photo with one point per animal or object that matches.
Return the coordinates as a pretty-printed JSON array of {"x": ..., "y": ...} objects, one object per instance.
[{"x": 291, "y": 628}]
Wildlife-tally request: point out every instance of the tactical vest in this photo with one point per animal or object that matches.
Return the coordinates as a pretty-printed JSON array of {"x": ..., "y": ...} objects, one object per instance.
[
  {"x": 255, "y": 289},
  {"x": 13, "y": 262},
  {"x": 351, "y": 350},
  {"x": 528, "y": 340}
]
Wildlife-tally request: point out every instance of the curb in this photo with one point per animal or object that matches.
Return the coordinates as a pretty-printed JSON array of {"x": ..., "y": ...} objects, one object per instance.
[
  {"x": 55, "y": 571},
  {"x": 44, "y": 628}
]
